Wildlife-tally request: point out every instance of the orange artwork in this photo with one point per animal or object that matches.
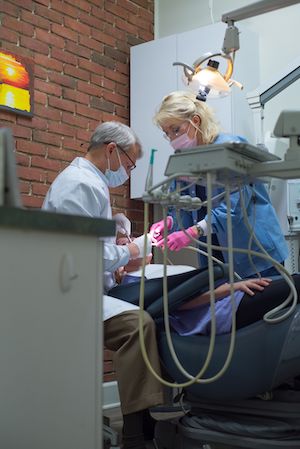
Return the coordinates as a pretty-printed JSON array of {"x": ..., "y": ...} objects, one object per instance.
[{"x": 16, "y": 80}]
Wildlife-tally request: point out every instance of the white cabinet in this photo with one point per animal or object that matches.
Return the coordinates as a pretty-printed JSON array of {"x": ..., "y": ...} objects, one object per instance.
[
  {"x": 50, "y": 334},
  {"x": 153, "y": 76}
]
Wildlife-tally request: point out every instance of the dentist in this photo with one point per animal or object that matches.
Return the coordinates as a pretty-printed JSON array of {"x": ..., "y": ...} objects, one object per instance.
[{"x": 83, "y": 189}]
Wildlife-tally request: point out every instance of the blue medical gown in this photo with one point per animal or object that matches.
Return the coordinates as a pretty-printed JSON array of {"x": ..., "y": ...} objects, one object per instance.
[{"x": 261, "y": 216}]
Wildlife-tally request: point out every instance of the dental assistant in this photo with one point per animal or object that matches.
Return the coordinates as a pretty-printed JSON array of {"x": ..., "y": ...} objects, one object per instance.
[
  {"x": 83, "y": 189},
  {"x": 187, "y": 123}
]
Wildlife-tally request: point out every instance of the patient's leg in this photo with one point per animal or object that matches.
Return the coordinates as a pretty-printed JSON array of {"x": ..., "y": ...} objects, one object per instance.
[{"x": 253, "y": 308}]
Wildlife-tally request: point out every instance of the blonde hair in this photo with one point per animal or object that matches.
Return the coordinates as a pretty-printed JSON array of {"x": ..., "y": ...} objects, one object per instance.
[{"x": 181, "y": 105}]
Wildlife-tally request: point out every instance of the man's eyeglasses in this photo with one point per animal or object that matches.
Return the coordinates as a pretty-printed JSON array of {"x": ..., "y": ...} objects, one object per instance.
[{"x": 128, "y": 157}]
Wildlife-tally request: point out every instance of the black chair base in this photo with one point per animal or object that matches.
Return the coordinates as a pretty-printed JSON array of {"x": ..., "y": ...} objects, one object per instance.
[{"x": 248, "y": 424}]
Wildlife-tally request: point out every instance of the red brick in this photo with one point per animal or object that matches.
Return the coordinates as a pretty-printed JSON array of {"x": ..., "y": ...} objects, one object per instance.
[
  {"x": 24, "y": 187},
  {"x": 39, "y": 189},
  {"x": 119, "y": 77},
  {"x": 40, "y": 97},
  {"x": 92, "y": 21},
  {"x": 123, "y": 68},
  {"x": 145, "y": 35},
  {"x": 63, "y": 7},
  {"x": 14, "y": 24},
  {"x": 76, "y": 96},
  {"x": 113, "y": 31},
  {"x": 110, "y": 85},
  {"x": 122, "y": 112},
  {"x": 26, "y": 5},
  {"x": 108, "y": 355},
  {"x": 32, "y": 201},
  {"x": 91, "y": 66},
  {"x": 48, "y": 62},
  {"x": 33, "y": 44},
  {"x": 88, "y": 42},
  {"x": 49, "y": 88},
  {"x": 51, "y": 176},
  {"x": 62, "y": 80},
  {"x": 114, "y": 98},
  {"x": 65, "y": 105},
  {"x": 116, "y": 10},
  {"x": 77, "y": 73},
  {"x": 82, "y": 4},
  {"x": 96, "y": 79},
  {"x": 27, "y": 146},
  {"x": 48, "y": 138},
  {"x": 83, "y": 135},
  {"x": 10, "y": 9},
  {"x": 147, "y": 15},
  {"x": 63, "y": 155},
  {"x": 142, "y": 23},
  {"x": 89, "y": 88},
  {"x": 130, "y": 6},
  {"x": 61, "y": 128},
  {"x": 48, "y": 112},
  {"x": 126, "y": 26},
  {"x": 74, "y": 120},
  {"x": 40, "y": 72},
  {"x": 31, "y": 174},
  {"x": 64, "y": 32},
  {"x": 103, "y": 37},
  {"x": 51, "y": 39},
  {"x": 77, "y": 26},
  {"x": 109, "y": 377},
  {"x": 77, "y": 49},
  {"x": 22, "y": 159},
  {"x": 108, "y": 366},
  {"x": 88, "y": 112},
  {"x": 64, "y": 56},
  {"x": 21, "y": 131},
  {"x": 36, "y": 20},
  {"x": 98, "y": 12},
  {"x": 49, "y": 164},
  {"x": 49, "y": 14},
  {"x": 32, "y": 122},
  {"x": 8, "y": 35}
]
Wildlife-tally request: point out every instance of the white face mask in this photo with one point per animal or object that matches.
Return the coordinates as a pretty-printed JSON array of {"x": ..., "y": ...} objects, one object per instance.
[{"x": 118, "y": 177}]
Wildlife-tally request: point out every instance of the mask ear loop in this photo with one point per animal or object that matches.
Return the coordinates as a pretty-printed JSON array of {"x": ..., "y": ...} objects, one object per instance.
[
  {"x": 118, "y": 153},
  {"x": 196, "y": 128},
  {"x": 108, "y": 159}
]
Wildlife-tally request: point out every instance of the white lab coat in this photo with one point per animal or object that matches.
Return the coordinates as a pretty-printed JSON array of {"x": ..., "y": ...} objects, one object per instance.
[{"x": 81, "y": 189}]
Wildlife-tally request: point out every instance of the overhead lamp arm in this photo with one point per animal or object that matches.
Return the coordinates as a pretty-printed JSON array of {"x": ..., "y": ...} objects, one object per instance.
[
  {"x": 231, "y": 39},
  {"x": 255, "y": 9}
]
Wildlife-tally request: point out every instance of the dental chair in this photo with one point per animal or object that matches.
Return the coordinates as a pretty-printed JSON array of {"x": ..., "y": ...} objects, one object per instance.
[{"x": 256, "y": 403}]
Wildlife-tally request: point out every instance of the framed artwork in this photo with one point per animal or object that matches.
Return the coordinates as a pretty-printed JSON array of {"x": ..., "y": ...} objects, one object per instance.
[{"x": 16, "y": 83}]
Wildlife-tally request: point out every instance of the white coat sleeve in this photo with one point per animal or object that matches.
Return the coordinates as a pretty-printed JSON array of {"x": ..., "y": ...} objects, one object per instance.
[{"x": 115, "y": 256}]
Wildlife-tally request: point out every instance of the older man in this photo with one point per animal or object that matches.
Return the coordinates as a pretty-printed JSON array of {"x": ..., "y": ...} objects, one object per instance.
[{"x": 83, "y": 189}]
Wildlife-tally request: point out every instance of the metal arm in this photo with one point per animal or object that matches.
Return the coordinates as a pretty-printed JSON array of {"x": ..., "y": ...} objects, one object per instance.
[{"x": 255, "y": 9}]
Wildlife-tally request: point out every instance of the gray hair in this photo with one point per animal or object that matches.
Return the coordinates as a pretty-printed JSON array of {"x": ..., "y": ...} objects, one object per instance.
[{"x": 115, "y": 132}]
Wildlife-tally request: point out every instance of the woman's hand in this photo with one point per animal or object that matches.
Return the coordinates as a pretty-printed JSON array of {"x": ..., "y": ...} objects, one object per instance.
[{"x": 250, "y": 285}]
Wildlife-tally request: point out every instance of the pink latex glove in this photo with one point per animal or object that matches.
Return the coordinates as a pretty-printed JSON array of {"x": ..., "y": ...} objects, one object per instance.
[
  {"x": 178, "y": 239},
  {"x": 157, "y": 229}
]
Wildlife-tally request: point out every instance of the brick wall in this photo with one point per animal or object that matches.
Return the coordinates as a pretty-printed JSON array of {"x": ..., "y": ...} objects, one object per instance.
[{"x": 80, "y": 50}]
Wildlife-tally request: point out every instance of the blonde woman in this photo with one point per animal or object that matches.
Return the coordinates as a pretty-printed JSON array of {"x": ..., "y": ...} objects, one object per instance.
[{"x": 187, "y": 123}]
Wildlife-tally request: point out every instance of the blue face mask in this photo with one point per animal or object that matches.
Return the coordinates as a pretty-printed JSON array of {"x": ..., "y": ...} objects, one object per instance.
[{"x": 118, "y": 177}]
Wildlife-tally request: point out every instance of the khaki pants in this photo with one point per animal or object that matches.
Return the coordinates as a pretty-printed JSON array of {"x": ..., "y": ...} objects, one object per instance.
[{"x": 138, "y": 388}]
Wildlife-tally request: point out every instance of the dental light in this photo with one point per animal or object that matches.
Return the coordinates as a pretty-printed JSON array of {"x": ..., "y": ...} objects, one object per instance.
[{"x": 209, "y": 81}]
